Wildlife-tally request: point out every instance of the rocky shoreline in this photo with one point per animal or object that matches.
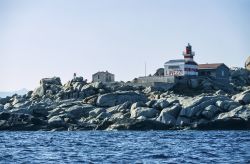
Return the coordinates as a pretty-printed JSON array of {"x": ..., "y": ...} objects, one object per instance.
[{"x": 78, "y": 105}]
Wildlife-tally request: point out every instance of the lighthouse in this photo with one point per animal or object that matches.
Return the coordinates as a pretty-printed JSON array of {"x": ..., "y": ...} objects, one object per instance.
[
  {"x": 182, "y": 67},
  {"x": 188, "y": 53},
  {"x": 190, "y": 66}
]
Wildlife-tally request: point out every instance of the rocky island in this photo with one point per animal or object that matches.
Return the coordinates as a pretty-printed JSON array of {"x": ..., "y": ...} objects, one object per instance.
[{"x": 78, "y": 105}]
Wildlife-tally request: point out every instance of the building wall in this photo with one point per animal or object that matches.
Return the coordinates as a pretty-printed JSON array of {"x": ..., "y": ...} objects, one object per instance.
[
  {"x": 222, "y": 74},
  {"x": 174, "y": 69},
  {"x": 180, "y": 69},
  {"x": 103, "y": 77},
  {"x": 151, "y": 79},
  {"x": 191, "y": 70}
]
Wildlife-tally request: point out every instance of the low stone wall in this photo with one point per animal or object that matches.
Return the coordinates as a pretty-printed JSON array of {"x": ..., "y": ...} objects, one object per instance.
[{"x": 156, "y": 81}]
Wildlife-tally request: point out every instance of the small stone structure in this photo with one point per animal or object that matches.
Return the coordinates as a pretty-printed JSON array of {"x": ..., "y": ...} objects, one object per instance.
[{"x": 104, "y": 77}]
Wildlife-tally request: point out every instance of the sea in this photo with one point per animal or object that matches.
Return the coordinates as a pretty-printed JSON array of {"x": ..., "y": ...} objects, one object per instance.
[{"x": 125, "y": 147}]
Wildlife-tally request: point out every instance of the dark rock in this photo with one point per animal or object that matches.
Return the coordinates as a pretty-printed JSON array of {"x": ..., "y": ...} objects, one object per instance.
[
  {"x": 5, "y": 100},
  {"x": 56, "y": 121},
  {"x": 210, "y": 111},
  {"x": 138, "y": 104},
  {"x": 104, "y": 125},
  {"x": 225, "y": 124},
  {"x": 96, "y": 112},
  {"x": 39, "y": 109},
  {"x": 183, "y": 122},
  {"x": 131, "y": 124},
  {"x": 51, "y": 81},
  {"x": 151, "y": 103},
  {"x": 79, "y": 111},
  {"x": 123, "y": 108},
  {"x": 17, "y": 121},
  {"x": 160, "y": 104}
]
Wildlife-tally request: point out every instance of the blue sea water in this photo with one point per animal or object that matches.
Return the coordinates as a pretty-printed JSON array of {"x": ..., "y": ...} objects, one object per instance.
[{"x": 125, "y": 147}]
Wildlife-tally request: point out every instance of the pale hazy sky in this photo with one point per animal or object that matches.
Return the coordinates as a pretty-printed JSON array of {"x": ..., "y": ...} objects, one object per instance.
[{"x": 45, "y": 38}]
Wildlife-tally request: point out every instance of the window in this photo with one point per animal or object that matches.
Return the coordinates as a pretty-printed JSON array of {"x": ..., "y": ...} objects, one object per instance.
[
  {"x": 222, "y": 73},
  {"x": 174, "y": 67}
]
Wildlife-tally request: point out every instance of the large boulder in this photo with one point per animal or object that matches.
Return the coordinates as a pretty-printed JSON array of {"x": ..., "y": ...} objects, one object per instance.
[
  {"x": 51, "y": 81},
  {"x": 240, "y": 77},
  {"x": 135, "y": 124},
  {"x": 236, "y": 119},
  {"x": 96, "y": 112},
  {"x": 168, "y": 115},
  {"x": 56, "y": 121},
  {"x": 247, "y": 63},
  {"x": 210, "y": 111},
  {"x": 243, "y": 97},
  {"x": 160, "y": 104},
  {"x": 144, "y": 111},
  {"x": 122, "y": 108},
  {"x": 78, "y": 111},
  {"x": 166, "y": 118},
  {"x": 39, "y": 91},
  {"x": 138, "y": 104},
  {"x": 195, "y": 109},
  {"x": 242, "y": 112},
  {"x": 116, "y": 98},
  {"x": 226, "y": 105},
  {"x": 39, "y": 109}
]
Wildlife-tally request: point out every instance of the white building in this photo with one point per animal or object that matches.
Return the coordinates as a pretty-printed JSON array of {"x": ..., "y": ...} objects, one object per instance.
[
  {"x": 104, "y": 77},
  {"x": 182, "y": 67}
]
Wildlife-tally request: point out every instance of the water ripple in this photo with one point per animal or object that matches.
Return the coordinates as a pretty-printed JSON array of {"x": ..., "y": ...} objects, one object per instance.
[{"x": 125, "y": 147}]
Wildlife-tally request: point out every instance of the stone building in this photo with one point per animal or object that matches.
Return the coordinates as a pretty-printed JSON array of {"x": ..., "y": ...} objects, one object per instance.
[
  {"x": 216, "y": 71},
  {"x": 104, "y": 77}
]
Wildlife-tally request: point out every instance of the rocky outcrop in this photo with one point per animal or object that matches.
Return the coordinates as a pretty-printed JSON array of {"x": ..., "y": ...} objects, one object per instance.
[
  {"x": 243, "y": 97},
  {"x": 78, "y": 105},
  {"x": 132, "y": 124},
  {"x": 144, "y": 112},
  {"x": 116, "y": 98}
]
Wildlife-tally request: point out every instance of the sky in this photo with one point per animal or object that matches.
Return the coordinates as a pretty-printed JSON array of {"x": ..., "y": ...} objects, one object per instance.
[{"x": 45, "y": 38}]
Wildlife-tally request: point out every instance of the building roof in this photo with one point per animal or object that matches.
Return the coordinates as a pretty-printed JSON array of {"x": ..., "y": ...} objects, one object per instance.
[
  {"x": 103, "y": 72},
  {"x": 175, "y": 61},
  {"x": 181, "y": 61},
  {"x": 210, "y": 66}
]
